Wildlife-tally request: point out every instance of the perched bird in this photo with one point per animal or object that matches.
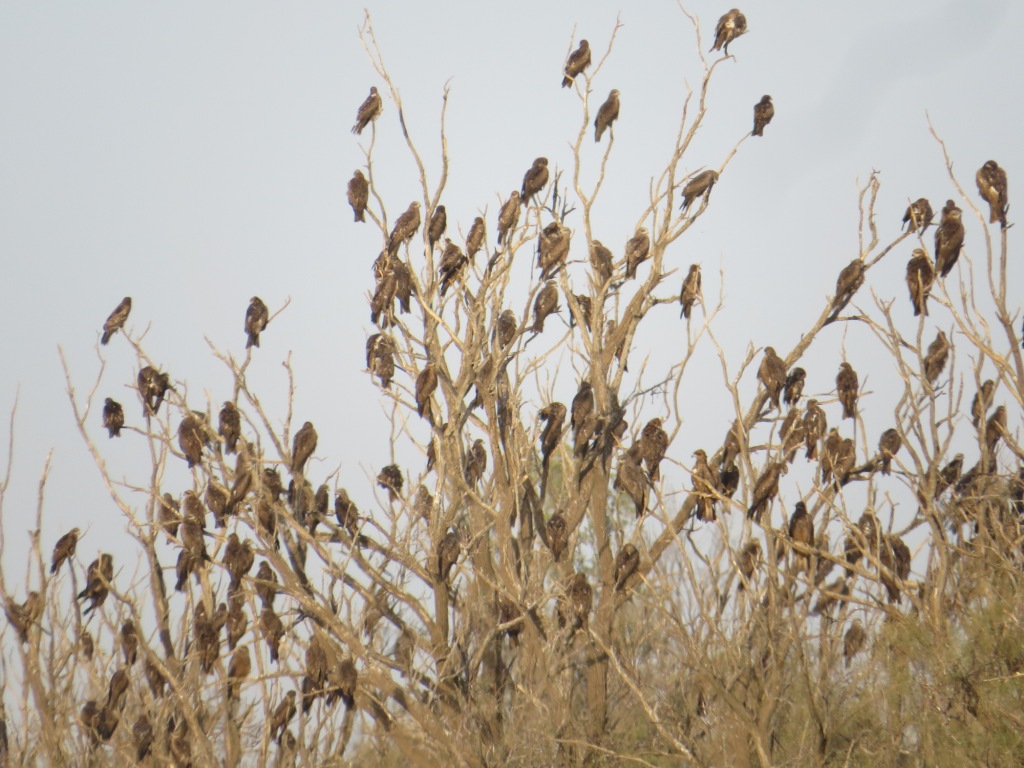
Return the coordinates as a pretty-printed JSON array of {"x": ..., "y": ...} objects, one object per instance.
[
  {"x": 448, "y": 552},
  {"x": 117, "y": 688},
  {"x": 847, "y": 386},
  {"x": 508, "y": 216},
  {"x": 853, "y": 641},
  {"x": 380, "y": 358},
  {"x": 982, "y": 402},
  {"x": 638, "y": 248},
  {"x": 369, "y": 111},
  {"x": 843, "y": 462},
  {"x": 426, "y": 384},
  {"x": 691, "y": 292},
  {"x": 815, "y": 426},
  {"x": 919, "y": 215},
  {"x": 534, "y": 180},
  {"x": 229, "y": 426},
  {"x": 552, "y": 248},
  {"x": 545, "y": 304},
  {"x": 889, "y": 445},
  {"x": 256, "y": 318},
  {"x": 626, "y": 563},
  {"x": 607, "y": 114},
  {"x": 238, "y": 670},
  {"x": 153, "y": 386},
  {"x": 861, "y": 539},
  {"x": 950, "y": 474},
  {"x": 730, "y": 26},
  {"x": 847, "y": 284},
  {"x": 729, "y": 480},
  {"x": 578, "y": 61},
  {"x": 238, "y": 559},
  {"x": 991, "y": 180},
  {"x": 142, "y": 735},
  {"x": 390, "y": 479},
  {"x": 772, "y": 373},
  {"x": 894, "y": 555},
  {"x": 632, "y": 479},
  {"x": 476, "y": 463},
  {"x": 265, "y": 584},
  {"x": 792, "y": 433},
  {"x": 553, "y": 416},
  {"x": 345, "y": 678},
  {"x": 97, "y": 582},
  {"x": 505, "y": 328},
  {"x": 475, "y": 238},
  {"x": 168, "y": 514},
  {"x": 113, "y": 417},
  {"x": 699, "y": 186},
  {"x": 801, "y": 532},
  {"x": 704, "y": 487},
  {"x": 585, "y": 306},
  {"x": 437, "y": 226},
  {"x": 358, "y": 194},
  {"x": 747, "y": 561},
  {"x": 765, "y": 489},
  {"x": 63, "y": 550},
  {"x": 283, "y": 715},
  {"x": 601, "y": 259},
  {"x": 995, "y": 428},
  {"x": 192, "y": 437},
  {"x": 405, "y": 227},
  {"x": 653, "y": 444},
  {"x": 764, "y": 111},
  {"x": 453, "y": 265},
  {"x": 303, "y": 445},
  {"x": 117, "y": 319},
  {"x": 578, "y": 604},
  {"x": 935, "y": 360},
  {"x": 794, "y": 386},
  {"x": 129, "y": 640},
  {"x": 273, "y": 631},
  {"x": 23, "y": 616},
  {"x": 583, "y": 418},
  {"x": 949, "y": 238},
  {"x": 920, "y": 278}
]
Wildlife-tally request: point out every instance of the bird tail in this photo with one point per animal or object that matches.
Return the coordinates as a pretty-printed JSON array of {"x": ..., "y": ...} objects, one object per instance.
[
  {"x": 758, "y": 131},
  {"x": 567, "y": 81},
  {"x": 106, "y": 337}
]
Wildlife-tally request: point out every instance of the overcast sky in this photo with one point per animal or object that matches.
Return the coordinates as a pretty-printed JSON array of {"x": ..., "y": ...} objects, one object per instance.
[{"x": 191, "y": 155}]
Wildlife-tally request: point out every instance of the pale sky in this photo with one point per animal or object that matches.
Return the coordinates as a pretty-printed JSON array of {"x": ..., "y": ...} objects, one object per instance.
[{"x": 192, "y": 155}]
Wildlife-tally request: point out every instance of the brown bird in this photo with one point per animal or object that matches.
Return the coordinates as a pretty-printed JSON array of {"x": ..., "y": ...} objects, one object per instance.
[
  {"x": 637, "y": 251},
  {"x": 117, "y": 319},
  {"x": 843, "y": 462},
  {"x": 730, "y": 26},
  {"x": 949, "y": 238},
  {"x": 552, "y": 249},
  {"x": 765, "y": 489},
  {"x": 920, "y": 278},
  {"x": 476, "y": 237},
  {"x": 238, "y": 670},
  {"x": 453, "y": 265},
  {"x": 534, "y": 180},
  {"x": 89, "y": 717},
  {"x": 578, "y": 61},
  {"x": 113, "y": 417},
  {"x": 391, "y": 480},
  {"x": 358, "y": 194},
  {"x": 191, "y": 437},
  {"x": 23, "y": 616},
  {"x": 792, "y": 434},
  {"x": 601, "y": 259},
  {"x": 847, "y": 387},
  {"x": 861, "y": 539},
  {"x": 607, "y": 114},
  {"x": 653, "y": 444},
  {"x": 97, "y": 582},
  {"x": 153, "y": 385},
  {"x": 847, "y": 284},
  {"x": 426, "y": 384},
  {"x": 437, "y": 226},
  {"x": 982, "y": 402},
  {"x": 63, "y": 550},
  {"x": 303, "y": 446},
  {"x": 545, "y": 304},
  {"x": 764, "y": 111},
  {"x": 448, "y": 552},
  {"x": 315, "y": 682},
  {"x": 815, "y": 426},
  {"x": 704, "y": 487},
  {"x": 794, "y": 386},
  {"x": 583, "y": 419},
  {"x": 553, "y": 416},
  {"x": 369, "y": 111},
  {"x": 345, "y": 679},
  {"x": 991, "y": 180},
  {"x": 699, "y": 186},
  {"x": 557, "y": 530},
  {"x": 919, "y": 215},
  {"x": 273, "y": 631},
  {"x": 747, "y": 561},
  {"x": 238, "y": 559},
  {"x": 578, "y": 605},
  {"x": 830, "y": 454},
  {"x": 585, "y": 308},
  {"x": 691, "y": 292},
  {"x": 626, "y": 563},
  {"x": 935, "y": 360},
  {"x": 889, "y": 445},
  {"x": 265, "y": 584},
  {"x": 282, "y": 716},
  {"x": 380, "y": 358},
  {"x": 142, "y": 736},
  {"x": 237, "y": 621},
  {"x": 118, "y": 688},
  {"x": 476, "y": 463},
  {"x": 405, "y": 227},
  {"x": 508, "y": 216},
  {"x": 995, "y": 428},
  {"x": 853, "y": 641},
  {"x": 505, "y": 328},
  {"x": 895, "y": 556},
  {"x": 167, "y": 511},
  {"x": 632, "y": 479},
  {"x": 256, "y": 318},
  {"x": 772, "y": 373},
  {"x": 801, "y": 532},
  {"x": 729, "y": 480},
  {"x": 129, "y": 642}
]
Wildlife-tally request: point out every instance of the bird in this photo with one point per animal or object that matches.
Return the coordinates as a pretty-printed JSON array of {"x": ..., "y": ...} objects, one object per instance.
[
  {"x": 238, "y": 670},
  {"x": 380, "y": 358},
  {"x": 991, "y": 181},
  {"x": 63, "y": 550},
  {"x": 129, "y": 641},
  {"x": 405, "y": 227},
  {"x": 476, "y": 463},
  {"x": 889, "y": 445},
  {"x": 229, "y": 426},
  {"x": 764, "y": 111},
  {"x": 747, "y": 561},
  {"x": 728, "y": 480},
  {"x": 553, "y": 416},
  {"x": 579, "y": 604},
  {"x": 117, "y": 318},
  {"x": 631, "y": 479},
  {"x": 438, "y": 224},
  {"x": 585, "y": 307},
  {"x": 426, "y": 384},
  {"x": 508, "y": 216},
  {"x": 256, "y": 318},
  {"x": 729, "y": 27},
  {"x": 935, "y": 359},
  {"x": 792, "y": 433},
  {"x": 704, "y": 487},
  {"x": 303, "y": 445},
  {"x": 238, "y": 559},
  {"x": 815, "y": 425},
  {"x": 390, "y": 479},
  {"x": 142, "y": 735},
  {"x": 918, "y": 216},
  {"x": 601, "y": 260},
  {"x": 853, "y": 641},
  {"x": 583, "y": 418},
  {"x": 949, "y": 238},
  {"x": 153, "y": 386},
  {"x": 638, "y": 248},
  {"x": 691, "y": 291},
  {"x": 765, "y": 489},
  {"x": 830, "y": 454},
  {"x": 448, "y": 551},
  {"x": 995, "y": 428},
  {"x": 699, "y": 186},
  {"x": 552, "y": 248},
  {"x": 844, "y": 460},
  {"x": 369, "y": 111},
  {"x": 847, "y": 387},
  {"x": 920, "y": 278},
  {"x": 453, "y": 264},
  {"x": 505, "y": 328},
  {"x": 191, "y": 438},
  {"x": 577, "y": 62},
  {"x": 894, "y": 555},
  {"x": 950, "y": 474},
  {"x": 847, "y": 284},
  {"x": 801, "y": 531},
  {"x": 534, "y": 180},
  {"x": 476, "y": 237},
  {"x": 626, "y": 563},
  {"x": 358, "y": 194},
  {"x": 345, "y": 679},
  {"x": 772, "y": 373},
  {"x": 283, "y": 715},
  {"x": 653, "y": 444},
  {"x": 545, "y": 304},
  {"x": 97, "y": 582},
  {"x": 794, "y": 386},
  {"x": 273, "y": 631},
  {"x": 982, "y": 402},
  {"x": 557, "y": 530},
  {"x": 23, "y": 616},
  {"x": 113, "y": 417},
  {"x": 607, "y": 114}
]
